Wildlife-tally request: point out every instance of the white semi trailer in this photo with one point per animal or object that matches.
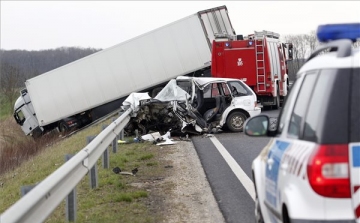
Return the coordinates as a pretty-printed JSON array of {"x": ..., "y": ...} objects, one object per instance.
[{"x": 75, "y": 94}]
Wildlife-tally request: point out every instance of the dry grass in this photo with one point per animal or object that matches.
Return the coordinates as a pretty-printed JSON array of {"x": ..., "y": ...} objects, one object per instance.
[
  {"x": 15, "y": 147},
  {"x": 119, "y": 198}
]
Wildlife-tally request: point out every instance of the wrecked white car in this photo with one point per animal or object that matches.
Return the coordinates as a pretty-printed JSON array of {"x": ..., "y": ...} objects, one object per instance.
[{"x": 193, "y": 105}]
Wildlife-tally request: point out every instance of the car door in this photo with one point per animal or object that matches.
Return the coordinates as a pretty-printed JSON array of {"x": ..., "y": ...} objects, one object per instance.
[
  {"x": 28, "y": 119},
  {"x": 272, "y": 162},
  {"x": 286, "y": 144}
]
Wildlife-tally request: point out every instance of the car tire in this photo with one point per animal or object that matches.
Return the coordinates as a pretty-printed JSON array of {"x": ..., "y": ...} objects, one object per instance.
[
  {"x": 63, "y": 127},
  {"x": 235, "y": 121}
]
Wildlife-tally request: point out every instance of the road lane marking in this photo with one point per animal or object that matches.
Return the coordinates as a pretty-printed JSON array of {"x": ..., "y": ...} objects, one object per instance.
[{"x": 239, "y": 173}]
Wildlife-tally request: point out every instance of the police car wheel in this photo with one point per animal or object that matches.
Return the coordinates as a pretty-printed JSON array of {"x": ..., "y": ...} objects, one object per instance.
[
  {"x": 235, "y": 121},
  {"x": 258, "y": 214}
]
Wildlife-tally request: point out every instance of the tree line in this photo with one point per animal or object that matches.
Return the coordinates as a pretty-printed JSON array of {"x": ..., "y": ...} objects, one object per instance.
[
  {"x": 16, "y": 66},
  {"x": 303, "y": 46}
]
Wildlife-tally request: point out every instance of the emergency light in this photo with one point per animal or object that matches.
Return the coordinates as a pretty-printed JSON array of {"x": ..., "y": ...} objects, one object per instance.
[{"x": 329, "y": 32}]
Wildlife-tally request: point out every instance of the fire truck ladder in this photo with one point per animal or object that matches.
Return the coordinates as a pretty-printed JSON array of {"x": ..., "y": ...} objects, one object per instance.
[{"x": 260, "y": 62}]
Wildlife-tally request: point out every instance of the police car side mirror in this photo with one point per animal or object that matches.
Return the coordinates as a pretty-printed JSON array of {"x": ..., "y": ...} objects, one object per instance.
[{"x": 257, "y": 126}]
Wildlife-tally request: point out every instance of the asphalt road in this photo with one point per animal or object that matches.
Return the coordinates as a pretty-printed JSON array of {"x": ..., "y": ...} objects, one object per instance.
[{"x": 235, "y": 201}]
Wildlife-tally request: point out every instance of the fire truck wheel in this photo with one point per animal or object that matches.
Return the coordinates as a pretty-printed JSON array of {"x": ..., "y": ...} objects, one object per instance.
[{"x": 235, "y": 121}]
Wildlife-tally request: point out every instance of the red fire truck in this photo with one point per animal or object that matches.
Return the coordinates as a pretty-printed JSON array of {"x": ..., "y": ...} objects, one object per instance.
[{"x": 259, "y": 59}]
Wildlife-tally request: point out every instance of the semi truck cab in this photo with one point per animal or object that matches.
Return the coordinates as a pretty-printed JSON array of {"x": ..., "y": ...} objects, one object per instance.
[{"x": 25, "y": 116}]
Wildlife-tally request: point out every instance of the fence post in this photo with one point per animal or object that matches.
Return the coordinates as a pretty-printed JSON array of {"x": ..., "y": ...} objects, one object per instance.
[
  {"x": 93, "y": 171},
  {"x": 71, "y": 204}
]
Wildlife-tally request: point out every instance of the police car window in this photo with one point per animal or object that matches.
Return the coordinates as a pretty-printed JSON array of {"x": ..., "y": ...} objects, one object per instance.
[
  {"x": 301, "y": 105},
  {"x": 286, "y": 109},
  {"x": 332, "y": 97},
  {"x": 316, "y": 108}
]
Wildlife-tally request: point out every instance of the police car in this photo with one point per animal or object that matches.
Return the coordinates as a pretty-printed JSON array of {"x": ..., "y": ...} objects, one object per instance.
[{"x": 310, "y": 169}]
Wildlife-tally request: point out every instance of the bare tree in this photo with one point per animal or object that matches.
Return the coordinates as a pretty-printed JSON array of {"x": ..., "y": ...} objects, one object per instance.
[
  {"x": 312, "y": 41},
  {"x": 303, "y": 46},
  {"x": 10, "y": 79},
  {"x": 298, "y": 54}
]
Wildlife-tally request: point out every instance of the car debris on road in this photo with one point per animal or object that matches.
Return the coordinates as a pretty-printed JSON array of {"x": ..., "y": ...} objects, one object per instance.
[{"x": 192, "y": 105}]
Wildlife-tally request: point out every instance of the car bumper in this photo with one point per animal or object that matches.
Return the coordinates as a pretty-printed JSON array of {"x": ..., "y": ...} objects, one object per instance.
[{"x": 255, "y": 112}]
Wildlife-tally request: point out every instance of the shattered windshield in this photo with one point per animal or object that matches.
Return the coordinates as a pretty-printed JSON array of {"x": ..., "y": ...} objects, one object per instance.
[{"x": 172, "y": 92}]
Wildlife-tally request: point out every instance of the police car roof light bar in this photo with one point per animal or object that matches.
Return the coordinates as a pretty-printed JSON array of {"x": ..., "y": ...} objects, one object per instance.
[{"x": 329, "y": 32}]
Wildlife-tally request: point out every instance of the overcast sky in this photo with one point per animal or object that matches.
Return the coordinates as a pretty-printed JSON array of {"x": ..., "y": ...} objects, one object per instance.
[{"x": 36, "y": 25}]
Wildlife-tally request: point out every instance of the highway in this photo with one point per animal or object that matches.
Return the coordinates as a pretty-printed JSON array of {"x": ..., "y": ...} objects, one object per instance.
[{"x": 226, "y": 159}]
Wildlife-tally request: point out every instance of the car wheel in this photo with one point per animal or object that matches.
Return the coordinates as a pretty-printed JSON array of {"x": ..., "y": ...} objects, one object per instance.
[
  {"x": 235, "y": 121},
  {"x": 258, "y": 214},
  {"x": 63, "y": 127},
  {"x": 285, "y": 215}
]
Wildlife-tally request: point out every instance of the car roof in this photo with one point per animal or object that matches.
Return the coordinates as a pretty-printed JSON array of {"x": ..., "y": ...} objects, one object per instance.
[
  {"x": 206, "y": 80},
  {"x": 331, "y": 60}
]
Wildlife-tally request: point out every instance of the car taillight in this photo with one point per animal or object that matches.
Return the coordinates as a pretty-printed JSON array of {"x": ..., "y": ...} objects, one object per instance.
[{"x": 328, "y": 171}]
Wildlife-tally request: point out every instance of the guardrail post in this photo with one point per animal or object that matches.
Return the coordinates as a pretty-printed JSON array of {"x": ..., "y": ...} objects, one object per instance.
[
  {"x": 71, "y": 204},
  {"x": 121, "y": 135},
  {"x": 115, "y": 145},
  {"x": 93, "y": 174},
  {"x": 105, "y": 157}
]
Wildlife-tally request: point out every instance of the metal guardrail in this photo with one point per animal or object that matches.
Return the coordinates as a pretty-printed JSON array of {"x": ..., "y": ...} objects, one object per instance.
[{"x": 41, "y": 201}]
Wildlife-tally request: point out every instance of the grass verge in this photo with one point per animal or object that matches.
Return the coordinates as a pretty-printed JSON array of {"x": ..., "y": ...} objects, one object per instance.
[{"x": 119, "y": 198}]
